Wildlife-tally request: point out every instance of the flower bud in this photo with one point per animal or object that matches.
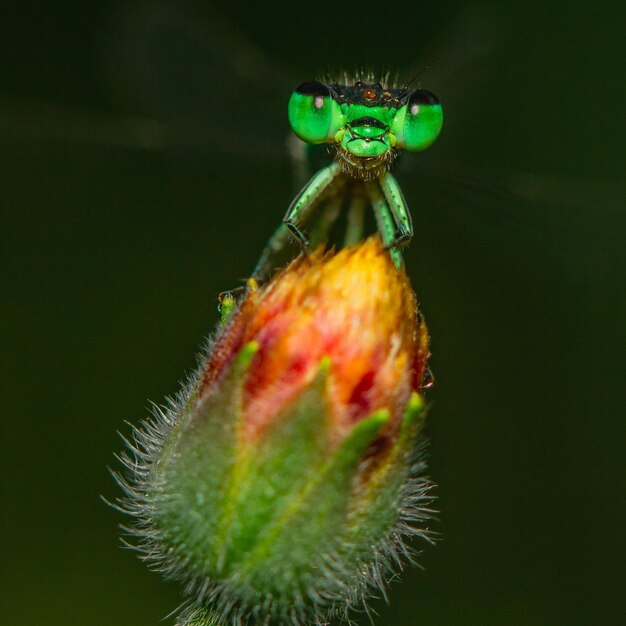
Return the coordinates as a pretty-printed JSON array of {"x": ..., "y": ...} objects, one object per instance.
[{"x": 280, "y": 485}]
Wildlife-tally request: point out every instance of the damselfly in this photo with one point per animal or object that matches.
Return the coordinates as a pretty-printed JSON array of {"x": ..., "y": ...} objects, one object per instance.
[
  {"x": 205, "y": 93},
  {"x": 365, "y": 123}
]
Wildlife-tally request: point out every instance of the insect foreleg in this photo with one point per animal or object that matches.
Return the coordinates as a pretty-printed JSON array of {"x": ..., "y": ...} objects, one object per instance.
[
  {"x": 398, "y": 208},
  {"x": 384, "y": 219},
  {"x": 307, "y": 199},
  {"x": 328, "y": 217},
  {"x": 355, "y": 225},
  {"x": 275, "y": 245},
  {"x": 302, "y": 206}
]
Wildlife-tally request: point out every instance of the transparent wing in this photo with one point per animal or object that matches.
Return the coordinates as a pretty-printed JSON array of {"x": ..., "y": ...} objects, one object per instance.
[
  {"x": 525, "y": 219},
  {"x": 192, "y": 79},
  {"x": 528, "y": 217}
]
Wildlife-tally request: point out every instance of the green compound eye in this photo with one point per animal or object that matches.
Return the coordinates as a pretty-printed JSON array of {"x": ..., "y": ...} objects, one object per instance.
[
  {"x": 314, "y": 115},
  {"x": 418, "y": 123}
]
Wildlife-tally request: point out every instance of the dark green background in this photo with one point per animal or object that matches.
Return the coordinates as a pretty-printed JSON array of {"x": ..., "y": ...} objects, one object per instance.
[{"x": 113, "y": 252}]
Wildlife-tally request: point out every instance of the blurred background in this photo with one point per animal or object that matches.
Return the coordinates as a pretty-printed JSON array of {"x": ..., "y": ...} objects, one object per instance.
[{"x": 143, "y": 165}]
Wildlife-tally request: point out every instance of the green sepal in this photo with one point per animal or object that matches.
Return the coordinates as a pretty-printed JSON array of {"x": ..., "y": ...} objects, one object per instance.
[
  {"x": 276, "y": 466},
  {"x": 285, "y": 512},
  {"x": 313, "y": 523},
  {"x": 196, "y": 471},
  {"x": 374, "y": 510},
  {"x": 412, "y": 421}
]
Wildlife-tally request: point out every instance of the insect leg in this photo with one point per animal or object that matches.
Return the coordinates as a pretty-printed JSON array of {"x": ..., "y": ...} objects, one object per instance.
[
  {"x": 329, "y": 215},
  {"x": 276, "y": 244},
  {"x": 385, "y": 221},
  {"x": 307, "y": 199},
  {"x": 354, "y": 228},
  {"x": 398, "y": 208},
  {"x": 301, "y": 206}
]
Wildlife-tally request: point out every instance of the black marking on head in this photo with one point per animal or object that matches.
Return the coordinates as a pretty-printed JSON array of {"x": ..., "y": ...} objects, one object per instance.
[
  {"x": 313, "y": 89},
  {"x": 368, "y": 121},
  {"x": 422, "y": 96},
  {"x": 369, "y": 94}
]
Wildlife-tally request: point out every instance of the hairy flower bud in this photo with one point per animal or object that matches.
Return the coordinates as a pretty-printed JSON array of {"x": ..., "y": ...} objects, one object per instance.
[{"x": 279, "y": 487}]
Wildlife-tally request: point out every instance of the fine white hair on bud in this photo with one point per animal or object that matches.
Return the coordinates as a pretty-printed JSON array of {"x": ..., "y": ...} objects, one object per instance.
[{"x": 284, "y": 483}]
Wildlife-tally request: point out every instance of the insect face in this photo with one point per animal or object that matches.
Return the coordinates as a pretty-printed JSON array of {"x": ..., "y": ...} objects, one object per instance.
[{"x": 365, "y": 122}]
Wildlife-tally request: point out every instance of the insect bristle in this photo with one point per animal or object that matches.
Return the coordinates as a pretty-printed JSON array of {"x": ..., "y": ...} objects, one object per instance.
[{"x": 369, "y": 76}]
